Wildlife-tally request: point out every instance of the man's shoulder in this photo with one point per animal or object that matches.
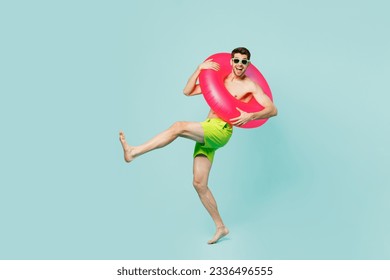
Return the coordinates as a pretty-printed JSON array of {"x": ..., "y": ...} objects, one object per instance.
[
  {"x": 252, "y": 86},
  {"x": 250, "y": 82}
]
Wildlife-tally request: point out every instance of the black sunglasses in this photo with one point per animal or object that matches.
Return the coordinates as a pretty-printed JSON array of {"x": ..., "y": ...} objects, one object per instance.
[{"x": 243, "y": 61}]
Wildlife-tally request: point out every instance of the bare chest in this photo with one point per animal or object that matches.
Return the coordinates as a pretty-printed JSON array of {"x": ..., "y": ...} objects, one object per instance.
[{"x": 240, "y": 90}]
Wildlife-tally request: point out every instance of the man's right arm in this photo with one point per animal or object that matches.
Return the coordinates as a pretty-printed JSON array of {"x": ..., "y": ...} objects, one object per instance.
[{"x": 192, "y": 88}]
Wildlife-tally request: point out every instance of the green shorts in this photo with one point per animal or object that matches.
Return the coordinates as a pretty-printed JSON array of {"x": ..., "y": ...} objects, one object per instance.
[{"x": 216, "y": 134}]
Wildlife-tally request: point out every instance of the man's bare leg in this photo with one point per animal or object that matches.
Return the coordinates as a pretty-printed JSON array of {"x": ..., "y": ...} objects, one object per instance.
[
  {"x": 191, "y": 130},
  {"x": 202, "y": 167}
]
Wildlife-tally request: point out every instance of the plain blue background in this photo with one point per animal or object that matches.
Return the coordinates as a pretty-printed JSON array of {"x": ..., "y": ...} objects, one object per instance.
[{"x": 311, "y": 183}]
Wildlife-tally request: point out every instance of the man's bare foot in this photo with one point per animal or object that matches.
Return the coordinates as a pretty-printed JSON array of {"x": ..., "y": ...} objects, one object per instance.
[
  {"x": 221, "y": 232},
  {"x": 127, "y": 150}
]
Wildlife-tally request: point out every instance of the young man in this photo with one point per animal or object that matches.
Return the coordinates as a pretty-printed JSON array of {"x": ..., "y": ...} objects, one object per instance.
[{"x": 211, "y": 134}]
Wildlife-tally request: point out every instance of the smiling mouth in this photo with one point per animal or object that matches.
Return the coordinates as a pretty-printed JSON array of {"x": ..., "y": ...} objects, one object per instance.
[{"x": 239, "y": 69}]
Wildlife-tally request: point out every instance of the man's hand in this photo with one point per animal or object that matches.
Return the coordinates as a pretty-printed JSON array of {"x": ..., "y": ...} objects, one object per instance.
[
  {"x": 243, "y": 118},
  {"x": 209, "y": 64}
]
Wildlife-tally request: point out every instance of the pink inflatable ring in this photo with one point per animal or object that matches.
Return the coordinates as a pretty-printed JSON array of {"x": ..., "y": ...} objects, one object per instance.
[{"x": 218, "y": 97}]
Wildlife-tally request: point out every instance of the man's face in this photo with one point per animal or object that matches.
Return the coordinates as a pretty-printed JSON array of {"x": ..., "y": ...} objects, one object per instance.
[{"x": 239, "y": 63}]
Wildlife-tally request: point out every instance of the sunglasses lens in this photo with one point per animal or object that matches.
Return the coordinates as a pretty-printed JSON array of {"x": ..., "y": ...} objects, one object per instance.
[{"x": 244, "y": 61}]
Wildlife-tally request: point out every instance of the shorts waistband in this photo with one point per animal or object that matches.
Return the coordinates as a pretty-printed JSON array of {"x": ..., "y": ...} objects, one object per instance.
[{"x": 220, "y": 121}]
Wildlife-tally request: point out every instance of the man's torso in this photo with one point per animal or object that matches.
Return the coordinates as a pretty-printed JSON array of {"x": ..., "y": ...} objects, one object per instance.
[{"x": 240, "y": 89}]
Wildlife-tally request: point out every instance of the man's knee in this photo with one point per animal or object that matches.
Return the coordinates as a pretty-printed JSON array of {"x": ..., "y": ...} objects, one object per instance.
[
  {"x": 179, "y": 127},
  {"x": 199, "y": 185}
]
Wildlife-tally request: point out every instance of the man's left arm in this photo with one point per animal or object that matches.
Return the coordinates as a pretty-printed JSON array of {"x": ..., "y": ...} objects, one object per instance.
[
  {"x": 268, "y": 111},
  {"x": 263, "y": 99}
]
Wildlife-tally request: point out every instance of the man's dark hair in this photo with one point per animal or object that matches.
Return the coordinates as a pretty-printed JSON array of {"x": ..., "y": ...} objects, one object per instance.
[{"x": 242, "y": 50}]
